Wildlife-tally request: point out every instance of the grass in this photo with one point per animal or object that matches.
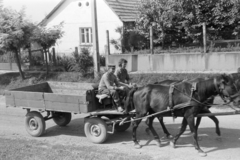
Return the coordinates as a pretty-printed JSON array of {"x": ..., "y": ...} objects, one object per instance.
[
  {"x": 13, "y": 80},
  {"x": 23, "y": 149}
]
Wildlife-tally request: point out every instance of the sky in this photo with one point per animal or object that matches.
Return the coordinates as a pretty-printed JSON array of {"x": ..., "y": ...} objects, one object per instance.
[{"x": 36, "y": 10}]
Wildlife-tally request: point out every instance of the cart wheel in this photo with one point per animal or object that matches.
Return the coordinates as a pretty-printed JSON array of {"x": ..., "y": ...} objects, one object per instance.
[
  {"x": 95, "y": 129},
  {"x": 35, "y": 124},
  {"x": 62, "y": 118},
  {"x": 123, "y": 127}
]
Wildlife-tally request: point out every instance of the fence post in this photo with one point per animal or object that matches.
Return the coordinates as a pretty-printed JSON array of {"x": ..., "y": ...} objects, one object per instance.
[
  {"x": 204, "y": 38},
  {"x": 49, "y": 56},
  {"x": 54, "y": 56},
  {"x": 76, "y": 50},
  {"x": 122, "y": 40},
  {"x": 10, "y": 60},
  {"x": 151, "y": 40},
  {"x": 42, "y": 54},
  {"x": 107, "y": 48}
]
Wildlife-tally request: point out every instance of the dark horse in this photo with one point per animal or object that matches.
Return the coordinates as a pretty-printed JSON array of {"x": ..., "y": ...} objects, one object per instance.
[
  {"x": 155, "y": 98},
  {"x": 203, "y": 110}
]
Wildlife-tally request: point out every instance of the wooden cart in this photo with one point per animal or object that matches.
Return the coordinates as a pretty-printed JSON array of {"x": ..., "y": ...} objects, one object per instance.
[{"x": 59, "y": 100}]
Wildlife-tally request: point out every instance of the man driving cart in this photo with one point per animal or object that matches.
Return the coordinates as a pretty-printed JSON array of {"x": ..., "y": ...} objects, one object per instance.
[{"x": 111, "y": 86}]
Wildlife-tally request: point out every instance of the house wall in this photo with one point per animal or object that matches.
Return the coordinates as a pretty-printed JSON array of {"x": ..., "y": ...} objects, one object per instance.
[
  {"x": 225, "y": 62},
  {"x": 75, "y": 17}
]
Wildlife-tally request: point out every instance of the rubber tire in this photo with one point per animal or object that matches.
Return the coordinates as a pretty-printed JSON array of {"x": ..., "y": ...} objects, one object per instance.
[
  {"x": 39, "y": 121},
  {"x": 123, "y": 127},
  {"x": 97, "y": 122},
  {"x": 62, "y": 118}
]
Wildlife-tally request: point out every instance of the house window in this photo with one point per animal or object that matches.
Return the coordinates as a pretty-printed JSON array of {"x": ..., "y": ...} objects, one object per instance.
[{"x": 85, "y": 36}]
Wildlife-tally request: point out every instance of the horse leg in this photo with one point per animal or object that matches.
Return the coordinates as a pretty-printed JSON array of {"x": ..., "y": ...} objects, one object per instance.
[
  {"x": 168, "y": 135},
  {"x": 198, "y": 122},
  {"x": 147, "y": 129},
  {"x": 134, "y": 133},
  {"x": 154, "y": 133},
  {"x": 183, "y": 128},
  {"x": 190, "y": 121},
  {"x": 215, "y": 120},
  {"x": 197, "y": 125}
]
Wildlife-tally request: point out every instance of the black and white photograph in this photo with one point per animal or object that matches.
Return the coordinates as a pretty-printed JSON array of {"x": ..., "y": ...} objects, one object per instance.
[{"x": 119, "y": 79}]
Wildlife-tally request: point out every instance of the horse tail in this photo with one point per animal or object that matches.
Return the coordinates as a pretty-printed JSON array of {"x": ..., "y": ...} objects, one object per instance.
[{"x": 129, "y": 105}]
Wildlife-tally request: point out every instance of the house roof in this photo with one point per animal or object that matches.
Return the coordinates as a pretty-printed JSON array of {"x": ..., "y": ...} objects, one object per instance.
[{"x": 126, "y": 10}]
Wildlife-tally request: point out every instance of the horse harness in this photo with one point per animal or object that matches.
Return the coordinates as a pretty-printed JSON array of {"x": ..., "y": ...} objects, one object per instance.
[
  {"x": 172, "y": 87},
  {"x": 219, "y": 90}
]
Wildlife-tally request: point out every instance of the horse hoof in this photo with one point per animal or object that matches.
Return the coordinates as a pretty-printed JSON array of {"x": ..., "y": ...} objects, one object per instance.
[
  {"x": 169, "y": 136},
  {"x": 202, "y": 154},
  {"x": 137, "y": 146},
  {"x": 172, "y": 144},
  {"x": 159, "y": 144}
]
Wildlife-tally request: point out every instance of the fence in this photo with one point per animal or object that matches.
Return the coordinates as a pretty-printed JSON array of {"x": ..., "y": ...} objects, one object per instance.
[{"x": 181, "y": 62}]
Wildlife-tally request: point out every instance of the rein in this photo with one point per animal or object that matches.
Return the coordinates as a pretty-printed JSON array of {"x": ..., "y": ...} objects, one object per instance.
[
  {"x": 205, "y": 103},
  {"x": 187, "y": 104}
]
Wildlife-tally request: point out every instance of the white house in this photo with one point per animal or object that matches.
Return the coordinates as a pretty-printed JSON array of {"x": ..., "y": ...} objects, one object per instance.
[{"x": 77, "y": 18}]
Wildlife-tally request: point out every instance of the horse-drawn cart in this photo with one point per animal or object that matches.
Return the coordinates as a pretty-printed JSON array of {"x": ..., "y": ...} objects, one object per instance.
[{"x": 59, "y": 100}]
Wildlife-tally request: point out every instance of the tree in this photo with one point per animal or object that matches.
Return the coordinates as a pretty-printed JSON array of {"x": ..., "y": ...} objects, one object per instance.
[
  {"x": 15, "y": 33},
  {"x": 161, "y": 14},
  {"x": 220, "y": 16},
  {"x": 47, "y": 37}
]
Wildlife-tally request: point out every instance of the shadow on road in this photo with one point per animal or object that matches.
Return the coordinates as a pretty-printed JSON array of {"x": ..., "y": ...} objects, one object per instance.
[{"x": 209, "y": 140}]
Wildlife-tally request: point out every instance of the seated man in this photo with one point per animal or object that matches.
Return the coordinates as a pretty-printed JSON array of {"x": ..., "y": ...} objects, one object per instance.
[
  {"x": 110, "y": 86},
  {"x": 122, "y": 74}
]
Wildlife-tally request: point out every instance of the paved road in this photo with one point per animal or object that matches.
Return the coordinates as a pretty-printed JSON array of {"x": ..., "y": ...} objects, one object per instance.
[{"x": 12, "y": 126}]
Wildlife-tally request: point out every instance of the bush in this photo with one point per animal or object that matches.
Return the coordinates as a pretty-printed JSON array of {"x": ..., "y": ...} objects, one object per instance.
[
  {"x": 64, "y": 61},
  {"x": 131, "y": 40},
  {"x": 5, "y": 58},
  {"x": 82, "y": 62}
]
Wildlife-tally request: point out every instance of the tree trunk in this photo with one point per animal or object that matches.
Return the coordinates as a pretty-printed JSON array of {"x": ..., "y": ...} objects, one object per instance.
[
  {"x": 46, "y": 61},
  {"x": 163, "y": 38},
  {"x": 30, "y": 56},
  {"x": 17, "y": 59}
]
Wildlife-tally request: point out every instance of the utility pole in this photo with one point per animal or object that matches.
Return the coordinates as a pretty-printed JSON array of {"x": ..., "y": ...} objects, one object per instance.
[
  {"x": 95, "y": 39},
  {"x": 204, "y": 38}
]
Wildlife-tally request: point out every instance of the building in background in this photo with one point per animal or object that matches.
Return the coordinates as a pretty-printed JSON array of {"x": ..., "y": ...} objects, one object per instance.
[{"x": 77, "y": 18}]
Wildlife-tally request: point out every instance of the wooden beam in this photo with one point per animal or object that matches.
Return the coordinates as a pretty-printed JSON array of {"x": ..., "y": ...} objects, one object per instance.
[
  {"x": 218, "y": 114},
  {"x": 151, "y": 40},
  {"x": 108, "y": 45},
  {"x": 95, "y": 39}
]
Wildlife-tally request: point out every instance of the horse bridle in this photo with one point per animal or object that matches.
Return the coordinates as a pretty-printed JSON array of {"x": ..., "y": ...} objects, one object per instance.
[{"x": 221, "y": 94}]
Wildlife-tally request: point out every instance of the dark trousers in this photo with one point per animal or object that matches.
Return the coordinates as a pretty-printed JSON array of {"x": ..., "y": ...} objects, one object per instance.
[{"x": 115, "y": 94}]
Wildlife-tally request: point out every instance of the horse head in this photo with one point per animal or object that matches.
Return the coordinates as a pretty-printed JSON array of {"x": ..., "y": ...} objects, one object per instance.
[{"x": 228, "y": 89}]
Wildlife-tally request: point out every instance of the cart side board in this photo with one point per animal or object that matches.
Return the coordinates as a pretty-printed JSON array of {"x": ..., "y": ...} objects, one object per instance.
[{"x": 42, "y": 99}]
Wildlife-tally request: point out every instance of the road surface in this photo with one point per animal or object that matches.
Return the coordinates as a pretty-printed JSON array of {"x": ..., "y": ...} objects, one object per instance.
[{"x": 12, "y": 126}]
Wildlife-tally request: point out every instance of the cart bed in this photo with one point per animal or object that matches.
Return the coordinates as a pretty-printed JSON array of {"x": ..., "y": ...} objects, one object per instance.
[{"x": 54, "y": 96}]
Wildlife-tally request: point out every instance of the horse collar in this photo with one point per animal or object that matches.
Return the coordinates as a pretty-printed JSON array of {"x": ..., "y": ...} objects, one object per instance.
[{"x": 216, "y": 85}]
